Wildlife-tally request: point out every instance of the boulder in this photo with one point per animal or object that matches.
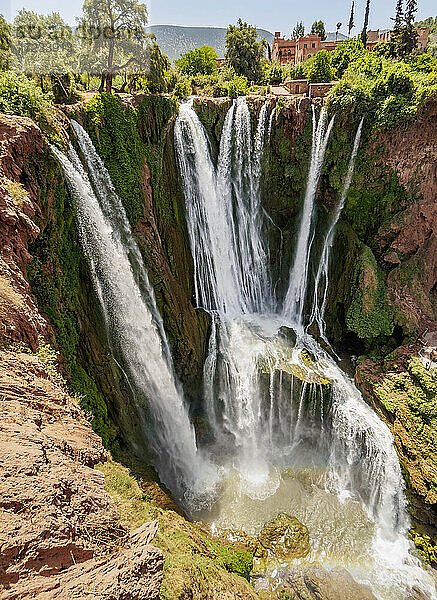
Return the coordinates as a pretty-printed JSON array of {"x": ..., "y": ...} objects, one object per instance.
[{"x": 285, "y": 537}]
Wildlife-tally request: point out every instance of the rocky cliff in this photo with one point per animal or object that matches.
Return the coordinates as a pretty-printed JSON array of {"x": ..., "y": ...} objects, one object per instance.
[
  {"x": 61, "y": 534},
  {"x": 384, "y": 267},
  {"x": 385, "y": 271}
]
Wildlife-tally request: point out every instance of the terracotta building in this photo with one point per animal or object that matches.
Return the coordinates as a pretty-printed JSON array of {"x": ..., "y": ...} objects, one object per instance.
[
  {"x": 374, "y": 37},
  {"x": 298, "y": 50}
]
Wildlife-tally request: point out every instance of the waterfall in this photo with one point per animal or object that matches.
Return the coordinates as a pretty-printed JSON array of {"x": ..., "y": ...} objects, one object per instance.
[
  {"x": 294, "y": 302},
  {"x": 224, "y": 220},
  {"x": 263, "y": 382},
  {"x": 230, "y": 261},
  {"x": 133, "y": 324},
  {"x": 319, "y": 305}
]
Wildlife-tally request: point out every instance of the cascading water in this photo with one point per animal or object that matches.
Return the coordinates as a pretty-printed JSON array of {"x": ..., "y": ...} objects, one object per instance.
[
  {"x": 133, "y": 324},
  {"x": 276, "y": 401},
  {"x": 322, "y": 279},
  {"x": 296, "y": 294}
]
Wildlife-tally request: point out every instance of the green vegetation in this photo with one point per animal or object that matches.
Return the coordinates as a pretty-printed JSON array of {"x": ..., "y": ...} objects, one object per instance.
[
  {"x": 193, "y": 562},
  {"x": 21, "y": 96},
  {"x": 430, "y": 22},
  {"x": 426, "y": 547},
  {"x": 320, "y": 69},
  {"x": 384, "y": 91},
  {"x": 115, "y": 131},
  {"x": 408, "y": 391},
  {"x": 200, "y": 61},
  {"x": 369, "y": 315},
  {"x": 318, "y": 28},
  {"x": 366, "y": 23},
  {"x": 243, "y": 51},
  {"x": 126, "y": 21},
  {"x": 298, "y": 31}
]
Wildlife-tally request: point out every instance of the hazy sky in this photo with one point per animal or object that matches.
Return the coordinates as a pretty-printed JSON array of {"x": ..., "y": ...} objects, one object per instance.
[{"x": 279, "y": 16}]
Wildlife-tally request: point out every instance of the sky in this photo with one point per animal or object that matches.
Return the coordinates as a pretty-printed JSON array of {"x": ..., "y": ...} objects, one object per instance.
[{"x": 280, "y": 16}]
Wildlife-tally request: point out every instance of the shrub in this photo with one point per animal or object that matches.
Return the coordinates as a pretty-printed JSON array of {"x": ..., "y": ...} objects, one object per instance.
[
  {"x": 344, "y": 54},
  {"x": 19, "y": 95},
  {"x": 182, "y": 89},
  {"x": 320, "y": 69},
  {"x": 385, "y": 91}
]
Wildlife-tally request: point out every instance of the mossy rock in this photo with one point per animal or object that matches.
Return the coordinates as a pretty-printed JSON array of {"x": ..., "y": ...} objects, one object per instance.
[
  {"x": 369, "y": 315},
  {"x": 285, "y": 537}
]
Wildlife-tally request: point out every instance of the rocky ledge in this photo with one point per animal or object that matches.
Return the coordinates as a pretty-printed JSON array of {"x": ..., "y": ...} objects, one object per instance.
[{"x": 61, "y": 534}]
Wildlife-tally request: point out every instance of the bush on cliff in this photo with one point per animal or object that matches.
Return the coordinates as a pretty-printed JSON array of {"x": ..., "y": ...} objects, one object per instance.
[
  {"x": 20, "y": 95},
  {"x": 384, "y": 91}
]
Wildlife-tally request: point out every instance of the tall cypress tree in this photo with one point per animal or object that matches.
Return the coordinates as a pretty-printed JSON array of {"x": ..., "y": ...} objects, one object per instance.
[
  {"x": 366, "y": 23},
  {"x": 396, "y": 35},
  {"x": 409, "y": 37},
  {"x": 351, "y": 20}
]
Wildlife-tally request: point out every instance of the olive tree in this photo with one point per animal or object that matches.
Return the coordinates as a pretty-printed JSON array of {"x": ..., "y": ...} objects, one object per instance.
[{"x": 116, "y": 30}]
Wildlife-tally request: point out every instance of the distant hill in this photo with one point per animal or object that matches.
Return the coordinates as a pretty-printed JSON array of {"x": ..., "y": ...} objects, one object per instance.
[
  {"x": 330, "y": 37},
  {"x": 175, "y": 40}
]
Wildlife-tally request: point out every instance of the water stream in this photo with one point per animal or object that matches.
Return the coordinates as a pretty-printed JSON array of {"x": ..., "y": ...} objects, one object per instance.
[{"x": 134, "y": 325}]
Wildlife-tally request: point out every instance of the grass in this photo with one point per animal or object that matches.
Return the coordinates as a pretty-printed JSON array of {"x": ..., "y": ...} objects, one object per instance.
[{"x": 195, "y": 566}]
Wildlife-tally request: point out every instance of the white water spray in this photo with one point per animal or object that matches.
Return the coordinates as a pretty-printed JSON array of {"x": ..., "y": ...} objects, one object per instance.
[
  {"x": 322, "y": 275},
  {"x": 294, "y": 302},
  {"x": 134, "y": 325}
]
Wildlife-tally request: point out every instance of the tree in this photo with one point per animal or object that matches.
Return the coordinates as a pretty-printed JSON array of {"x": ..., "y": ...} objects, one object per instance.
[
  {"x": 42, "y": 44},
  {"x": 201, "y": 61},
  {"x": 298, "y": 31},
  {"x": 404, "y": 36},
  {"x": 243, "y": 51},
  {"x": 344, "y": 54},
  {"x": 351, "y": 20},
  {"x": 396, "y": 34},
  {"x": 117, "y": 29},
  {"x": 430, "y": 22},
  {"x": 318, "y": 28},
  {"x": 408, "y": 37},
  {"x": 337, "y": 30},
  {"x": 320, "y": 70},
  {"x": 366, "y": 23},
  {"x": 5, "y": 44}
]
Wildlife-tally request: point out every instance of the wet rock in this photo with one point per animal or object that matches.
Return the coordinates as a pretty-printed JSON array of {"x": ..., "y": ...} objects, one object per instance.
[
  {"x": 392, "y": 258},
  {"x": 288, "y": 334},
  {"x": 316, "y": 583},
  {"x": 286, "y": 537}
]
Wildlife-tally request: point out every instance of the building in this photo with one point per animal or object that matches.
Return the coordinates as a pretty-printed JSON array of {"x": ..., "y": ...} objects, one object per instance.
[
  {"x": 298, "y": 50},
  {"x": 301, "y": 87},
  {"x": 283, "y": 51},
  {"x": 375, "y": 37},
  {"x": 296, "y": 86}
]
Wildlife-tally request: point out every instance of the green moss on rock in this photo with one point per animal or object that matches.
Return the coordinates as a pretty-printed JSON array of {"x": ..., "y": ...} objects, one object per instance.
[{"x": 369, "y": 315}]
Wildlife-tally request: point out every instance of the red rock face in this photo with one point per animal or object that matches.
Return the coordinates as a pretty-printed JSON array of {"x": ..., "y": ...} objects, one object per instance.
[
  {"x": 55, "y": 516},
  {"x": 411, "y": 151},
  {"x": 19, "y": 139}
]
